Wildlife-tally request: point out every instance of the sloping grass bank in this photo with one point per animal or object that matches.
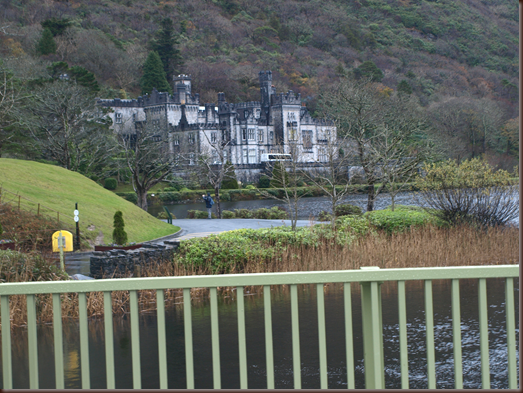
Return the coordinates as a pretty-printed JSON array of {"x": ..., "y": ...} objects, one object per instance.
[{"x": 60, "y": 189}]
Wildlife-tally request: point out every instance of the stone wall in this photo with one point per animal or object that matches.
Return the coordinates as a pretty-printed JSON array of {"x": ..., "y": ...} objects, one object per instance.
[{"x": 125, "y": 263}]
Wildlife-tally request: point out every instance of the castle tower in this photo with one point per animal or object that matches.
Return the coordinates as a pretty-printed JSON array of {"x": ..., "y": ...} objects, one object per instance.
[
  {"x": 265, "y": 87},
  {"x": 183, "y": 80}
]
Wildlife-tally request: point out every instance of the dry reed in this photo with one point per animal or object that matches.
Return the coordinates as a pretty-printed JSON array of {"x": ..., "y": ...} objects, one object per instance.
[{"x": 422, "y": 247}]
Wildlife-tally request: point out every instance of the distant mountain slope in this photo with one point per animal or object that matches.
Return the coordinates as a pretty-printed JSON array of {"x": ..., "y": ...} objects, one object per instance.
[
  {"x": 439, "y": 46},
  {"x": 60, "y": 189}
]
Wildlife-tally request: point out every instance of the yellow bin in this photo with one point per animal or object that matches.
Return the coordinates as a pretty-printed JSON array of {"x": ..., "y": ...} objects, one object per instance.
[{"x": 67, "y": 241}]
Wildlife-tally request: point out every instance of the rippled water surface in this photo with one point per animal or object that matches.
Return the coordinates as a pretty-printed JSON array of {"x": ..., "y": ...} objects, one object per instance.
[{"x": 336, "y": 355}]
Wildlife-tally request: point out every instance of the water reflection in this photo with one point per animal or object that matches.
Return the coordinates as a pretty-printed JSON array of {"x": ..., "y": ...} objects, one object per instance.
[{"x": 335, "y": 329}]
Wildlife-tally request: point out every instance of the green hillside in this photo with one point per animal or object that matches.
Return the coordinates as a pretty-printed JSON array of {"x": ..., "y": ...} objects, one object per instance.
[{"x": 60, "y": 189}]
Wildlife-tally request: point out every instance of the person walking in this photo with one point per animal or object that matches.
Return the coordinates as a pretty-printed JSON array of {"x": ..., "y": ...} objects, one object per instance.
[{"x": 208, "y": 203}]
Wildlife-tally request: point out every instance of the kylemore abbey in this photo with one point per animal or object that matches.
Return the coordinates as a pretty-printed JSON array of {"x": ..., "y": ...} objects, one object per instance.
[{"x": 247, "y": 130}]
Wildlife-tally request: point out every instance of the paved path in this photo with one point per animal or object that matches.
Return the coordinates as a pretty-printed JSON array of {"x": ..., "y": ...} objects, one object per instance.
[{"x": 204, "y": 227}]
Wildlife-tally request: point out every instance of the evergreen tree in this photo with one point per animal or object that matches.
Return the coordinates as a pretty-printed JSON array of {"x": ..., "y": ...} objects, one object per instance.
[
  {"x": 368, "y": 70},
  {"x": 165, "y": 44},
  {"x": 84, "y": 78},
  {"x": 46, "y": 45},
  {"x": 56, "y": 26},
  {"x": 404, "y": 87},
  {"x": 229, "y": 181},
  {"x": 119, "y": 234},
  {"x": 154, "y": 75}
]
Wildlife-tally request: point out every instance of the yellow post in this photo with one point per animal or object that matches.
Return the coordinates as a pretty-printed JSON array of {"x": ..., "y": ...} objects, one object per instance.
[{"x": 62, "y": 241}]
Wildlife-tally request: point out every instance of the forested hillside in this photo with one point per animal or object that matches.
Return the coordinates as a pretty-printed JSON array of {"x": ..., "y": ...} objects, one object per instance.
[{"x": 459, "y": 57}]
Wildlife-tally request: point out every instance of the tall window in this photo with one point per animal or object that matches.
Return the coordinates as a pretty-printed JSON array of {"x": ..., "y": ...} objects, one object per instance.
[
  {"x": 176, "y": 140},
  {"x": 244, "y": 134},
  {"x": 251, "y": 134},
  {"x": 118, "y": 117},
  {"x": 245, "y": 156},
  {"x": 213, "y": 137},
  {"x": 191, "y": 139},
  {"x": 260, "y": 136},
  {"x": 271, "y": 135},
  {"x": 307, "y": 140},
  {"x": 252, "y": 156}
]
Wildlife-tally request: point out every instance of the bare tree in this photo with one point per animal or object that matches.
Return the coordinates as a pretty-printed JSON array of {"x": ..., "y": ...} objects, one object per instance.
[
  {"x": 378, "y": 128},
  {"x": 330, "y": 171},
  {"x": 147, "y": 155},
  {"x": 9, "y": 97},
  {"x": 213, "y": 164},
  {"x": 286, "y": 173},
  {"x": 67, "y": 126}
]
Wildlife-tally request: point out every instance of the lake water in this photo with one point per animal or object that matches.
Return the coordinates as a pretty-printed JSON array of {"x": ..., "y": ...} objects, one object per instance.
[{"x": 337, "y": 376}]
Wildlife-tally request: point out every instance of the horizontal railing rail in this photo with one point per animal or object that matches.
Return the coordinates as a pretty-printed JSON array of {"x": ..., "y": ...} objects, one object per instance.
[{"x": 370, "y": 280}]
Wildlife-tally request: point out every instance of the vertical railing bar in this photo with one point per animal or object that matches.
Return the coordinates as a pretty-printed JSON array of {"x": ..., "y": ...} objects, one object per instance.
[
  {"x": 187, "y": 320},
  {"x": 429, "y": 323},
  {"x": 377, "y": 335},
  {"x": 58, "y": 342},
  {"x": 109, "y": 340},
  {"x": 295, "y": 337},
  {"x": 135, "y": 339},
  {"x": 403, "y": 344},
  {"x": 215, "y": 337},
  {"x": 241, "y": 338},
  {"x": 456, "y": 335},
  {"x": 162, "y": 342},
  {"x": 32, "y": 342},
  {"x": 349, "y": 341},
  {"x": 84, "y": 340},
  {"x": 511, "y": 331},
  {"x": 268, "y": 335},
  {"x": 483, "y": 333},
  {"x": 324, "y": 381},
  {"x": 7, "y": 365}
]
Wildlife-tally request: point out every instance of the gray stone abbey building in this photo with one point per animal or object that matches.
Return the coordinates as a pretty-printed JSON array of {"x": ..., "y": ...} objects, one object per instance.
[{"x": 247, "y": 130}]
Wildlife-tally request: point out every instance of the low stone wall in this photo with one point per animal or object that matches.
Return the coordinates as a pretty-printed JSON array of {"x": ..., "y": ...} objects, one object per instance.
[{"x": 119, "y": 263}]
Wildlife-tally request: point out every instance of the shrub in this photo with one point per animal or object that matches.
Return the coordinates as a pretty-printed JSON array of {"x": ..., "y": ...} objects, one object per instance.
[
  {"x": 119, "y": 234},
  {"x": 162, "y": 216},
  {"x": 1, "y": 229},
  {"x": 264, "y": 182},
  {"x": 324, "y": 216},
  {"x": 250, "y": 187},
  {"x": 228, "y": 214},
  {"x": 243, "y": 213},
  {"x": 347, "y": 210},
  {"x": 225, "y": 196},
  {"x": 230, "y": 182},
  {"x": 470, "y": 192},
  {"x": 110, "y": 183},
  {"x": 399, "y": 220},
  {"x": 131, "y": 197},
  {"x": 357, "y": 225}
]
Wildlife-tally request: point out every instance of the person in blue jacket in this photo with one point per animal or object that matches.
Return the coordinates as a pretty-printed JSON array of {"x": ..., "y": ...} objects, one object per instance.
[{"x": 208, "y": 203}]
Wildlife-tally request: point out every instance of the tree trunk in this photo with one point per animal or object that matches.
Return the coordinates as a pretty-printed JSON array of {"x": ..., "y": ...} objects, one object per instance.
[
  {"x": 142, "y": 199},
  {"x": 371, "y": 195},
  {"x": 217, "y": 197}
]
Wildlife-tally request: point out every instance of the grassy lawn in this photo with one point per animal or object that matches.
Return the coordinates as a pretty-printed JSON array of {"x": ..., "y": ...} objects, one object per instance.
[{"x": 59, "y": 189}]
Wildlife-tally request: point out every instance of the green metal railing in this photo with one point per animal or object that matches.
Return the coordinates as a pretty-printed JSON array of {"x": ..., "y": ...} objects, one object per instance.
[{"x": 370, "y": 280}]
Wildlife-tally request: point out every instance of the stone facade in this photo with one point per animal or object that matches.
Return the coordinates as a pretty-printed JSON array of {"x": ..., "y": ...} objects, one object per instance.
[{"x": 247, "y": 129}]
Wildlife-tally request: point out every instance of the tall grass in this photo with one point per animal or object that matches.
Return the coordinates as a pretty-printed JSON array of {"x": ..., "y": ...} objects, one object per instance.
[{"x": 420, "y": 247}]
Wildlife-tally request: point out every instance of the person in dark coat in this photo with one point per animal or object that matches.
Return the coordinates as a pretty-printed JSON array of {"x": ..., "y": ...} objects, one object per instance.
[{"x": 208, "y": 203}]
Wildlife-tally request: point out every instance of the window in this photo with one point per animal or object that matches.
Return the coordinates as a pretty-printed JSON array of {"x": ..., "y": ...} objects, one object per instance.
[
  {"x": 176, "y": 140},
  {"x": 215, "y": 158},
  {"x": 260, "y": 136},
  {"x": 262, "y": 152},
  {"x": 322, "y": 155},
  {"x": 292, "y": 126},
  {"x": 307, "y": 140},
  {"x": 252, "y": 156},
  {"x": 213, "y": 137},
  {"x": 118, "y": 118},
  {"x": 191, "y": 159},
  {"x": 271, "y": 135},
  {"x": 191, "y": 139},
  {"x": 251, "y": 134},
  {"x": 245, "y": 156},
  {"x": 244, "y": 134}
]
